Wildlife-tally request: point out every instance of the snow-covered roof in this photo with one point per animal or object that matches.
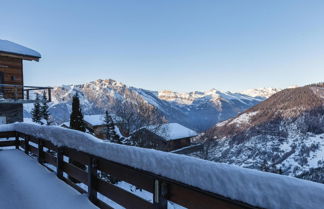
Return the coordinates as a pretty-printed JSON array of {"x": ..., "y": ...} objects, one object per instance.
[
  {"x": 171, "y": 131},
  {"x": 97, "y": 120},
  {"x": 13, "y": 48}
]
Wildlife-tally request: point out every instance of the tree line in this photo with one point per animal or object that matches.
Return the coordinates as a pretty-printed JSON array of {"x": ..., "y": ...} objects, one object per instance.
[{"x": 40, "y": 114}]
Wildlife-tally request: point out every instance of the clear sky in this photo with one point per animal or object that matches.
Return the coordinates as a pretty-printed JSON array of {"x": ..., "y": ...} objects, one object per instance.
[{"x": 181, "y": 45}]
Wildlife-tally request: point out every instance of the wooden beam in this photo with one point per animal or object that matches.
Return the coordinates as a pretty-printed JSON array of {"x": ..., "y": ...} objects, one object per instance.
[
  {"x": 160, "y": 193},
  {"x": 122, "y": 197},
  {"x": 26, "y": 145},
  {"x": 40, "y": 151},
  {"x": 7, "y": 134},
  {"x": 75, "y": 172},
  {"x": 17, "y": 141},
  {"x": 59, "y": 166},
  {"x": 48, "y": 158},
  {"x": 92, "y": 175},
  {"x": 7, "y": 143},
  {"x": 23, "y": 57}
]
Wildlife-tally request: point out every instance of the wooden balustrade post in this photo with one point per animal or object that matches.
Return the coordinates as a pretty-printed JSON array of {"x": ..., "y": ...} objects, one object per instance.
[
  {"x": 27, "y": 94},
  {"x": 92, "y": 176},
  {"x": 159, "y": 195},
  {"x": 17, "y": 142},
  {"x": 40, "y": 151},
  {"x": 26, "y": 145},
  {"x": 59, "y": 166}
]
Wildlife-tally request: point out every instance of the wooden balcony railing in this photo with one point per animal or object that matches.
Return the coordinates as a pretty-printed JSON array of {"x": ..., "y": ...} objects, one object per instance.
[
  {"x": 22, "y": 93},
  {"x": 162, "y": 189}
]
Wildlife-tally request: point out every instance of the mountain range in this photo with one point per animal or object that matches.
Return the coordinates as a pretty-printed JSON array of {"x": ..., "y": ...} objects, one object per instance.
[
  {"x": 197, "y": 110},
  {"x": 270, "y": 129},
  {"x": 284, "y": 134}
]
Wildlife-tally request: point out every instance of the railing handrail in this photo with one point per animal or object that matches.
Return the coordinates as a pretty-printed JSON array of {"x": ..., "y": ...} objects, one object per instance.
[
  {"x": 38, "y": 87},
  {"x": 33, "y": 87},
  {"x": 26, "y": 89},
  {"x": 10, "y": 85},
  {"x": 162, "y": 188}
]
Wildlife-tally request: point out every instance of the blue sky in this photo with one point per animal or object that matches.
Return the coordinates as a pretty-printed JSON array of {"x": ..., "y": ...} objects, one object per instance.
[{"x": 180, "y": 45}]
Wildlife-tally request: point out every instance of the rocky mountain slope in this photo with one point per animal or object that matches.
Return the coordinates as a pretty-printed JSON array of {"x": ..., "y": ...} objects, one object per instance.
[
  {"x": 196, "y": 110},
  {"x": 283, "y": 134}
]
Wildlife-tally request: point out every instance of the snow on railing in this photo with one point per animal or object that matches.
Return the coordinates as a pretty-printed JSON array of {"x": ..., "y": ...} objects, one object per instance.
[{"x": 261, "y": 189}]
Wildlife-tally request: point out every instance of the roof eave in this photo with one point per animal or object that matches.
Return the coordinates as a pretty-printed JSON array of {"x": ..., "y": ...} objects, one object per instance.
[
  {"x": 20, "y": 56},
  {"x": 187, "y": 137}
]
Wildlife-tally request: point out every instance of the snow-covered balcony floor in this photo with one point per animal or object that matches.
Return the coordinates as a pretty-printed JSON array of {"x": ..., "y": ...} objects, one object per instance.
[{"x": 26, "y": 184}]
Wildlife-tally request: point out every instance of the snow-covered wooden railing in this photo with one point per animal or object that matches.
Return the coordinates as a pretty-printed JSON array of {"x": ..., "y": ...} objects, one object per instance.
[{"x": 186, "y": 181}]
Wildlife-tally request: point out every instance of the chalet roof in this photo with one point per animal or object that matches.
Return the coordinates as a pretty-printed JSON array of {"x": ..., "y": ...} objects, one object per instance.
[
  {"x": 171, "y": 131},
  {"x": 98, "y": 120},
  {"x": 17, "y": 49}
]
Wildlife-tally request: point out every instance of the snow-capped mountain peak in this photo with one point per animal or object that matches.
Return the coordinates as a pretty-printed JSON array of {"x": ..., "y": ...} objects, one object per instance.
[
  {"x": 260, "y": 92},
  {"x": 188, "y": 98},
  {"x": 198, "y": 110}
]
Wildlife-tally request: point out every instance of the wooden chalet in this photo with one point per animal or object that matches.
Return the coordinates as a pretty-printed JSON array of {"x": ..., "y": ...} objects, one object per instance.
[
  {"x": 165, "y": 137},
  {"x": 96, "y": 125},
  {"x": 13, "y": 93}
]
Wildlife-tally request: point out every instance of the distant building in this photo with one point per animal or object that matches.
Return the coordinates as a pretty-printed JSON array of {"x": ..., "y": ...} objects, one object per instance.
[
  {"x": 96, "y": 125},
  {"x": 166, "y": 137},
  {"x": 13, "y": 93}
]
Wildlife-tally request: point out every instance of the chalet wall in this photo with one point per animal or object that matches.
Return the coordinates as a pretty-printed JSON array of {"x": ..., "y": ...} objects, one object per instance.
[
  {"x": 12, "y": 112},
  {"x": 178, "y": 143},
  {"x": 148, "y": 139},
  {"x": 13, "y": 74},
  {"x": 12, "y": 69}
]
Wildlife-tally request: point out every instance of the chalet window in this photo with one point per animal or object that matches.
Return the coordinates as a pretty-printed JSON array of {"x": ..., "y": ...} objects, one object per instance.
[{"x": 13, "y": 78}]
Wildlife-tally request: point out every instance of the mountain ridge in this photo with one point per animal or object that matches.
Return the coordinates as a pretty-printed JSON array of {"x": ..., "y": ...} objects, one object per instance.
[
  {"x": 197, "y": 110},
  {"x": 284, "y": 134}
]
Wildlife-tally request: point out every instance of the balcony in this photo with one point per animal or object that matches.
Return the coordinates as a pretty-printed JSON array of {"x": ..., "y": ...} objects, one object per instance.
[
  {"x": 165, "y": 178},
  {"x": 19, "y": 94}
]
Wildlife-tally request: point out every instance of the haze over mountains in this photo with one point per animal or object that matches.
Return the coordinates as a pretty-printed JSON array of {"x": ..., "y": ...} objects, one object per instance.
[
  {"x": 283, "y": 134},
  {"x": 196, "y": 110}
]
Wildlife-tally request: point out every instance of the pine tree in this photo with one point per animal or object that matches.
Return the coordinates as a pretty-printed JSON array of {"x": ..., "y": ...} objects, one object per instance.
[
  {"x": 77, "y": 123},
  {"x": 44, "y": 109},
  {"x": 112, "y": 137},
  {"x": 76, "y": 118},
  {"x": 110, "y": 129},
  {"x": 36, "y": 111}
]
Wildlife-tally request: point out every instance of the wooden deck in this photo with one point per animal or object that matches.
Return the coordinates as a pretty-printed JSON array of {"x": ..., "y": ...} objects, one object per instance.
[{"x": 26, "y": 184}]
